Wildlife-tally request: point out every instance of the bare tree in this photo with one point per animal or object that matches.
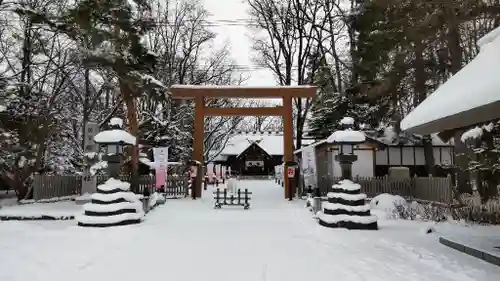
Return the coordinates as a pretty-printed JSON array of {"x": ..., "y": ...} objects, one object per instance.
[{"x": 289, "y": 46}]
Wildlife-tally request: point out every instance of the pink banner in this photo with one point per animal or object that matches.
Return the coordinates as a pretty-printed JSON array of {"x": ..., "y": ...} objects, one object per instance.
[{"x": 161, "y": 178}]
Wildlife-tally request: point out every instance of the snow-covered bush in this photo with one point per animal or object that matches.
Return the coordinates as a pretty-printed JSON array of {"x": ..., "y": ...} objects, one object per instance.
[
  {"x": 396, "y": 207},
  {"x": 473, "y": 210},
  {"x": 156, "y": 199}
]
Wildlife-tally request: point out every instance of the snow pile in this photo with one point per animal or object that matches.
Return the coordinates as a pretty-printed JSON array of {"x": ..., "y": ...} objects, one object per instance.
[
  {"x": 347, "y": 121},
  {"x": 347, "y": 134},
  {"x": 156, "y": 199},
  {"x": 112, "y": 205},
  {"x": 64, "y": 210},
  {"x": 115, "y": 136},
  {"x": 346, "y": 208},
  {"x": 115, "y": 121},
  {"x": 387, "y": 202}
]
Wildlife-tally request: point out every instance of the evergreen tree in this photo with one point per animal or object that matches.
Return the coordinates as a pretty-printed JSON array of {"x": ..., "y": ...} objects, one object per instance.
[
  {"x": 330, "y": 107},
  {"x": 116, "y": 29}
]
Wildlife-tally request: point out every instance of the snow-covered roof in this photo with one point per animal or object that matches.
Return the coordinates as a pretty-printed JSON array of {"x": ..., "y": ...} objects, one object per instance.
[
  {"x": 270, "y": 142},
  {"x": 469, "y": 97}
]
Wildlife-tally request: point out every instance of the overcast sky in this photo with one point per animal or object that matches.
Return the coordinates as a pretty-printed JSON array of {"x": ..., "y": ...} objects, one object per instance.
[{"x": 229, "y": 16}]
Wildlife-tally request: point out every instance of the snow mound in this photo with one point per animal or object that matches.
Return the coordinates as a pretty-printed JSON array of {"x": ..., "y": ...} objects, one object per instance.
[
  {"x": 334, "y": 206},
  {"x": 347, "y": 218},
  {"x": 387, "y": 202},
  {"x": 347, "y": 185},
  {"x": 346, "y": 136},
  {"x": 115, "y": 136},
  {"x": 112, "y": 205},
  {"x": 349, "y": 197},
  {"x": 347, "y": 121},
  {"x": 115, "y": 121},
  {"x": 156, "y": 199},
  {"x": 114, "y": 184}
]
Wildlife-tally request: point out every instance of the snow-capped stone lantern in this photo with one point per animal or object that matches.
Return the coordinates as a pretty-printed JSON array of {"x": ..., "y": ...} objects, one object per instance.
[
  {"x": 114, "y": 140},
  {"x": 113, "y": 204},
  {"x": 346, "y": 206},
  {"x": 346, "y": 139}
]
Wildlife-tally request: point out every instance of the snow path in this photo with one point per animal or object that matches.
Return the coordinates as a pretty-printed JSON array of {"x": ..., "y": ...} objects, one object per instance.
[{"x": 187, "y": 240}]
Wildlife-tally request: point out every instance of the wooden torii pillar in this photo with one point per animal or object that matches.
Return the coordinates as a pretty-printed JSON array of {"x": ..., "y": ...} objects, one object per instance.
[{"x": 200, "y": 93}]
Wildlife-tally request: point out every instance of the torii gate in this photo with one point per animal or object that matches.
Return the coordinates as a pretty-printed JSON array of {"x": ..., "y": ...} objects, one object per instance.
[{"x": 199, "y": 93}]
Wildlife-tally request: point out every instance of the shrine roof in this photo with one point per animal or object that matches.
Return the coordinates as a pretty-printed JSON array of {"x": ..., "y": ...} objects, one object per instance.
[{"x": 270, "y": 142}]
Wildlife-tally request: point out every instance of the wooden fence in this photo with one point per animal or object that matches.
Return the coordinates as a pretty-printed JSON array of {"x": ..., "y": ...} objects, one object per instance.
[
  {"x": 422, "y": 188},
  {"x": 52, "y": 186}
]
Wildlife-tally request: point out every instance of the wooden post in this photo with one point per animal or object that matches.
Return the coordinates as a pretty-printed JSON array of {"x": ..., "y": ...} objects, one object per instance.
[
  {"x": 287, "y": 140},
  {"x": 198, "y": 137}
]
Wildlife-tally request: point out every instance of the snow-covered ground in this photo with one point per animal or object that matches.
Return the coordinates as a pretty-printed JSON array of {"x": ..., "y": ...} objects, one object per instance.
[
  {"x": 37, "y": 210},
  {"x": 275, "y": 240}
]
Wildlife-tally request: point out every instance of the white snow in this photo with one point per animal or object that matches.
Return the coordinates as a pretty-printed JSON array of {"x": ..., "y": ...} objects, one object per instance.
[
  {"x": 2, "y": 108},
  {"x": 109, "y": 219},
  {"x": 475, "y": 85},
  {"x": 387, "y": 202},
  {"x": 112, "y": 184},
  {"x": 115, "y": 121},
  {"x": 112, "y": 136},
  {"x": 346, "y": 136},
  {"x": 345, "y": 196},
  {"x": 347, "y": 121},
  {"x": 335, "y": 206},
  {"x": 347, "y": 218},
  {"x": 471, "y": 134},
  {"x": 275, "y": 240},
  {"x": 62, "y": 209},
  {"x": 84, "y": 197},
  {"x": 114, "y": 196},
  {"x": 98, "y": 166},
  {"x": 347, "y": 185},
  {"x": 113, "y": 207},
  {"x": 156, "y": 198},
  {"x": 91, "y": 155},
  {"x": 489, "y": 37}
]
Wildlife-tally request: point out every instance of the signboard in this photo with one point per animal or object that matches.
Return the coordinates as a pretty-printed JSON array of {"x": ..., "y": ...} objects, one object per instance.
[
  {"x": 160, "y": 155},
  {"x": 89, "y": 145},
  {"x": 89, "y": 181},
  {"x": 308, "y": 165},
  {"x": 291, "y": 172}
]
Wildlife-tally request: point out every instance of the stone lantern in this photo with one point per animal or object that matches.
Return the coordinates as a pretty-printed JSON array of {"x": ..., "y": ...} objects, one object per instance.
[
  {"x": 346, "y": 139},
  {"x": 114, "y": 140},
  {"x": 346, "y": 206}
]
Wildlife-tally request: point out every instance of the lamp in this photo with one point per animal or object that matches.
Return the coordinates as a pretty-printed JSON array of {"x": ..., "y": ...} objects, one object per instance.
[
  {"x": 113, "y": 141},
  {"x": 346, "y": 138}
]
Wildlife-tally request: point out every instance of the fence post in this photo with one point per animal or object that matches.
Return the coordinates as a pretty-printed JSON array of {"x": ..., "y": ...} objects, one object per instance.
[{"x": 37, "y": 185}]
